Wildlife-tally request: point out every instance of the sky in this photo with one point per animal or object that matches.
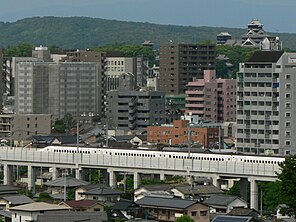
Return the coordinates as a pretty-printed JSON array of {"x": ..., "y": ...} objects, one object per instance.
[{"x": 276, "y": 15}]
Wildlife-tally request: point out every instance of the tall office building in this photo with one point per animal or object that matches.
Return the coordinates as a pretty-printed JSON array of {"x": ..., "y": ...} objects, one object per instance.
[
  {"x": 266, "y": 121},
  {"x": 180, "y": 63},
  {"x": 57, "y": 88}
]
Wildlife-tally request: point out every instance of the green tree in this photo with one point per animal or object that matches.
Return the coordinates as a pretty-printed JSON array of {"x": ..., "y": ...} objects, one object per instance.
[
  {"x": 21, "y": 50},
  {"x": 287, "y": 183},
  {"x": 44, "y": 197},
  {"x": 65, "y": 124},
  {"x": 184, "y": 218}
]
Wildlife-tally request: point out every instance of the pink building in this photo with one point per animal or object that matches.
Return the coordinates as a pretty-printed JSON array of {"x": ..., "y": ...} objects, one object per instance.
[{"x": 212, "y": 99}]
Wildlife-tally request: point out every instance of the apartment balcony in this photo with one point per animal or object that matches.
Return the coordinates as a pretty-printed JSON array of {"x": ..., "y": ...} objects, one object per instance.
[
  {"x": 133, "y": 102},
  {"x": 201, "y": 99},
  {"x": 191, "y": 105},
  {"x": 197, "y": 112},
  {"x": 194, "y": 92},
  {"x": 132, "y": 118},
  {"x": 133, "y": 111},
  {"x": 132, "y": 125}
]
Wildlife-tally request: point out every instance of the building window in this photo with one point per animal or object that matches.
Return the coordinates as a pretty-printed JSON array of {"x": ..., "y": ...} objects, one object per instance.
[
  {"x": 288, "y": 76},
  {"x": 288, "y": 133},
  {"x": 288, "y": 96},
  {"x": 288, "y": 86},
  {"x": 193, "y": 213},
  {"x": 288, "y": 105},
  {"x": 288, "y": 124},
  {"x": 203, "y": 213},
  {"x": 288, "y": 114},
  {"x": 288, "y": 143}
]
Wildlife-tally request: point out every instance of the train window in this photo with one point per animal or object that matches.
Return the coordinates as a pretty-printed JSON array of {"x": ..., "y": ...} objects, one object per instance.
[{"x": 154, "y": 155}]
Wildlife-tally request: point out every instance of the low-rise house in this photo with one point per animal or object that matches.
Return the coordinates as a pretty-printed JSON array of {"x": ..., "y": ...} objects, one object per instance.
[
  {"x": 8, "y": 201},
  {"x": 71, "y": 216},
  {"x": 245, "y": 212},
  {"x": 98, "y": 192},
  {"x": 29, "y": 212},
  {"x": 196, "y": 192},
  {"x": 126, "y": 209},
  {"x": 153, "y": 190},
  {"x": 169, "y": 209},
  {"x": 223, "y": 204},
  {"x": 83, "y": 205}
]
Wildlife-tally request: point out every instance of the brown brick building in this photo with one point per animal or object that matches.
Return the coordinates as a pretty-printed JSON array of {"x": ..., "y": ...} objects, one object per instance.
[
  {"x": 177, "y": 134},
  {"x": 180, "y": 63}
]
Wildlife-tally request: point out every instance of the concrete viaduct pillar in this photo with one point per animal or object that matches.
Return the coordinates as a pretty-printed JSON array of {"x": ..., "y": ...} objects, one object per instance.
[
  {"x": 54, "y": 173},
  {"x": 112, "y": 178},
  {"x": 162, "y": 176},
  {"x": 216, "y": 181},
  {"x": 8, "y": 174},
  {"x": 137, "y": 180},
  {"x": 78, "y": 173},
  {"x": 31, "y": 178},
  {"x": 244, "y": 188},
  {"x": 254, "y": 193}
]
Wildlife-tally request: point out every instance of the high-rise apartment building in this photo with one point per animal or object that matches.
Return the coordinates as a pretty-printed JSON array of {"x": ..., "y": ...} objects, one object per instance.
[
  {"x": 266, "y": 110},
  {"x": 56, "y": 88},
  {"x": 180, "y": 63},
  {"x": 212, "y": 99},
  {"x": 115, "y": 66},
  {"x": 2, "y": 86},
  {"x": 100, "y": 59},
  {"x": 133, "y": 110}
]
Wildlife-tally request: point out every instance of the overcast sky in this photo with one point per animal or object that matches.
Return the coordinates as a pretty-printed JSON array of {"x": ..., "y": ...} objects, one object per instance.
[{"x": 276, "y": 15}]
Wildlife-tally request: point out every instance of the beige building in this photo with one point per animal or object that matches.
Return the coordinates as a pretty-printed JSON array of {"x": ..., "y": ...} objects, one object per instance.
[{"x": 19, "y": 127}]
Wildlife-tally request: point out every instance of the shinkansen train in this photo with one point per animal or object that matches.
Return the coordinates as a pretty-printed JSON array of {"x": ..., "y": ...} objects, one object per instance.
[{"x": 269, "y": 160}]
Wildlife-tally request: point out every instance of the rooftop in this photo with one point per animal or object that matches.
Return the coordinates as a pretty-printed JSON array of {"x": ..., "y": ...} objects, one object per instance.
[
  {"x": 39, "y": 206},
  {"x": 165, "y": 202},
  {"x": 266, "y": 56},
  {"x": 80, "y": 203},
  {"x": 70, "y": 182},
  {"x": 220, "y": 200}
]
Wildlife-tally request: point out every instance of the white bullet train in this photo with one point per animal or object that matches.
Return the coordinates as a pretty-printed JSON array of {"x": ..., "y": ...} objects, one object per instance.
[{"x": 220, "y": 157}]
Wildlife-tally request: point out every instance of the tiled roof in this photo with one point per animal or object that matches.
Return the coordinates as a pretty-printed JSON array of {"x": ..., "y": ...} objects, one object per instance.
[
  {"x": 38, "y": 206},
  {"x": 221, "y": 218},
  {"x": 266, "y": 56},
  {"x": 186, "y": 189},
  {"x": 70, "y": 182},
  {"x": 17, "y": 199},
  {"x": 80, "y": 203},
  {"x": 220, "y": 200},
  {"x": 165, "y": 202}
]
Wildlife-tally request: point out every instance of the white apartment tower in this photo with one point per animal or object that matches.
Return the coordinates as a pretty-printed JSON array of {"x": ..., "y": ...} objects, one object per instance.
[{"x": 266, "y": 104}]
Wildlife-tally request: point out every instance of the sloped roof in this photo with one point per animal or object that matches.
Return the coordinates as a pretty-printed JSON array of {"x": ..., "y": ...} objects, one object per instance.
[
  {"x": 7, "y": 189},
  {"x": 240, "y": 211},
  {"x": 72, "y": 216},
  {"x": 165, "y": 202},
  {"x": 187, "y": 189},
  {"x": 220, "y": 200},
  {"x": 39, "y": 206},
  {"x": 266, "y": 56},
  {"x": 70, "y": 182},
  {"x": 221, "y": 218},
  {"x": 103, "y": 190},
  {"x": 80, "y": 203},
  {"x": 124, "y": 205},
  {"x": 157, "y": 187},
  {"x": 17, "y": 199}
]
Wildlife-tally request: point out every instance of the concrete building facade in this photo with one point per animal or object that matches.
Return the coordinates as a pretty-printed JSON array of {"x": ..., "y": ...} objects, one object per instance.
[
  {"x": 180, "y": 133},
  {"x": 212, "y": 99},
  {"x": 18, "y": 128},
  {"x": 180, "y": 63},
  {"x": 132, "y": 110},
  {"x": 56, "y": 88},
  {"x": 266, "y": 104}
]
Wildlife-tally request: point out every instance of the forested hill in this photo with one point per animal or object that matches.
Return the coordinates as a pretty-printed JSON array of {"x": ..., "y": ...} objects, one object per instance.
[{"x": 84, "y": 32}]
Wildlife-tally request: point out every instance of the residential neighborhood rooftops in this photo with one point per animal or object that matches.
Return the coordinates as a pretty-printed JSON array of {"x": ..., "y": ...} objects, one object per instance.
[
  {"x": 165, "y": 202},
  {"x": 198, "y": 189},
  {"x": 71, "y": 216},
  {"x": 222, "y": 218}
]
